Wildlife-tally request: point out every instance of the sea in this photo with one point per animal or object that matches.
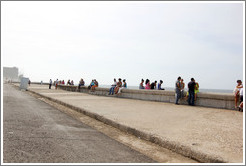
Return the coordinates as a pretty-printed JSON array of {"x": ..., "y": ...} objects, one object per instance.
[{"x": 172, "y": 89}]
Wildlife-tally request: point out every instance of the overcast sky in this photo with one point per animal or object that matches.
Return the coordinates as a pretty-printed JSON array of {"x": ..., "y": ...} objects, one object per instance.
[{"x": 130, "y": 40}]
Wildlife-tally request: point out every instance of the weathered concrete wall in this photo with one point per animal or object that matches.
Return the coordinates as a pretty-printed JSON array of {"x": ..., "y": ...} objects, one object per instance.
[{"x": 225, "y": 101}]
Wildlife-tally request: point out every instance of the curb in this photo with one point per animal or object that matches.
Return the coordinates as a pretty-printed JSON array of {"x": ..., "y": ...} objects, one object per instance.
[{"x": 171, "y": 145}]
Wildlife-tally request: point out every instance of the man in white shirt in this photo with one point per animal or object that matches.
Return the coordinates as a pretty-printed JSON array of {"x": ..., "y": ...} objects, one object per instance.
[{"x": 111, "y": 90}]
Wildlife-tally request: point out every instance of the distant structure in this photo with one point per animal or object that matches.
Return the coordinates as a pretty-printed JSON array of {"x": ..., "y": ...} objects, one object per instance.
[{"x": 10, "y": 74}]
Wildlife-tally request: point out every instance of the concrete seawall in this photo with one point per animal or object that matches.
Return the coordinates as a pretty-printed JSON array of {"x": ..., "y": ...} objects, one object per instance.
[
  {"x": 200, "y": 133},
  {"x": 214, "y": 100}
]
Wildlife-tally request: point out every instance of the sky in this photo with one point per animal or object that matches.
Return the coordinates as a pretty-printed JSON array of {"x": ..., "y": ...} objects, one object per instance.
[{"x": 129, "y": 40}]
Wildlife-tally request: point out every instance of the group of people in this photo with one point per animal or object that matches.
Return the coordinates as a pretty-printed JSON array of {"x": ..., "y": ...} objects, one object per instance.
[
  {"x": 93, "y": 85},
  {"x": 193, "y": 89},
  {"x": 59, "y": 82},
  {"x": 191, "y": 95},
  {"x": 238, "y": 93},
  {"x": 153, "y": 85},
  {"x": 70, "y": 82},
  {"x": 116, "y": 87}
]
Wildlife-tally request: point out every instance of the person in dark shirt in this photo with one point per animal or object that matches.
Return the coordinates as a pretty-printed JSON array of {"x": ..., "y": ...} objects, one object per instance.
[
  {"x": 177, "y": 90},
  {"x": 159, "y": 85},
  {"x": 191, "y": 87},
  {"x": 153, "y": 85}
]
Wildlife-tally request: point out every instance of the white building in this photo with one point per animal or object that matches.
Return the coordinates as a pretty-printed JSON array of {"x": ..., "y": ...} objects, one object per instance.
[{"x": 10, "y": 74}]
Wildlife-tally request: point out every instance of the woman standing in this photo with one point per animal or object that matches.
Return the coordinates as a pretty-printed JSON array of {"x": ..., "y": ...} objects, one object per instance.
[
  {"x": 196, "y": 89},
  {"x": 182, "y": 86}
]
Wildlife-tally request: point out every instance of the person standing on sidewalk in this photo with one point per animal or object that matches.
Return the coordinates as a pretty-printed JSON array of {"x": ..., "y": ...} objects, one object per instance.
[
  {"x": 191, "y": 87},
  {"x": 240, "y": 107},
  {"x": 177, "y": 90},
  {"x": 196, "y": 89},
  {"x": 50, "y": 83},
  {"x": 236, "y": 92},
  {"x": 182, "y": 86}
]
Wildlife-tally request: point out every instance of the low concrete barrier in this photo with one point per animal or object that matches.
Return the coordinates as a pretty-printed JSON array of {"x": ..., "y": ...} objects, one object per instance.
[{"x": 224, "y": 101}]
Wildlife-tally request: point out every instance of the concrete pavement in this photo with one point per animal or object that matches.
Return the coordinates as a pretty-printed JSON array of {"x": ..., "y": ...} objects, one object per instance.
[
  {"x": 204, "y": 134},
  {"x": 35, "y": 132}
]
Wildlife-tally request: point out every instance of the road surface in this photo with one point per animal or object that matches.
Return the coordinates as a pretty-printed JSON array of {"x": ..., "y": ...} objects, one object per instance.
[{"x": 35, "y": 132}]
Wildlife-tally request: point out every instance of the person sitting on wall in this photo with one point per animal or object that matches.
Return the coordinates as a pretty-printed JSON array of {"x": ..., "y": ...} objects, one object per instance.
[
  {"x": 119, "y": 84},
  {"x": 123, "y": 86},
  {"x": 81, "y": 83},
  {"x": 68, "y": 82},
  {"x": 153, "y": 85},
  {"x": 94, "y": 86},
  {"x": 159, "y": 85},
  {"x": 141, "y": 86},
  {"x": 91, "y": 84},
  {"x": 147, "y": 84},
  {"x": 111, "y": 90}
]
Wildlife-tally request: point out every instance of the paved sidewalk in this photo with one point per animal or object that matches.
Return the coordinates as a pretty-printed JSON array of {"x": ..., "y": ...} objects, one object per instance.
[{"x": 205, "y": 134}]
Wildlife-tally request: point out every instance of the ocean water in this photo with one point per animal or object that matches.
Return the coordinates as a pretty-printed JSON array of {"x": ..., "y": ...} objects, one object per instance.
[{"x": 172, "y": 89}]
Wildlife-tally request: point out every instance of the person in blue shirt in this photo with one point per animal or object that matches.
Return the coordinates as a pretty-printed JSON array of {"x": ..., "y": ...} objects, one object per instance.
[
  {"x": 91, "y": 84},
  {"x": 123, "y": 86},
  {"x": 159, "y": 85},
  {"x": 111, "y": 90}
]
